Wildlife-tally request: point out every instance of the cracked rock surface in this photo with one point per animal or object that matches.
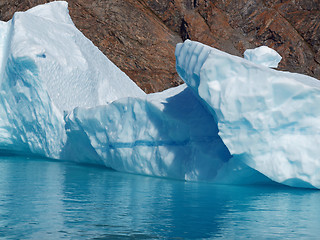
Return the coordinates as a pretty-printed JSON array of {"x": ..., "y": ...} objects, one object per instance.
[{"x": 139, "y": 36}]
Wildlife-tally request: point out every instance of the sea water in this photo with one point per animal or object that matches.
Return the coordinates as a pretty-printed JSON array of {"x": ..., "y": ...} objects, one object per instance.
[{"x": 41, "y": 199}]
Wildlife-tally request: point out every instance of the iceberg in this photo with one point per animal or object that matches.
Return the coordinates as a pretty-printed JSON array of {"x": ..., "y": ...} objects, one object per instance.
[
  {"x": 235, "y": 120},
  {"x": 63, "y": 99},
  {"x": 268, "y": 119}
]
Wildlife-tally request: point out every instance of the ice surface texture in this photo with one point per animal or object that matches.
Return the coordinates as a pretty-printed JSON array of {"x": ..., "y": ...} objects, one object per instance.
[
  {"x": 48, "y": 67},
  {"x": 74, "y": 71},
  {"x": 268, "y": 119}
]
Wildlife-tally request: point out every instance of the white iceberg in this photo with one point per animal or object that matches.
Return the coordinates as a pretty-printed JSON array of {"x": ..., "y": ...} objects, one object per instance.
[
  {"x": 60, "y": 97},
  {"x": 268, "y": 119}
]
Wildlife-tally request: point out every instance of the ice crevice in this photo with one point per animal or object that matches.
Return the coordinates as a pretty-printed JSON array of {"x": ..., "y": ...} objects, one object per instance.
[{"x": 161, "y": 143}]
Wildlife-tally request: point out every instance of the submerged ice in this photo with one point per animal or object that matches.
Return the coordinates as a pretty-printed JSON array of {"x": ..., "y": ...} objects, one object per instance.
[{"x": 236, "y": 121}]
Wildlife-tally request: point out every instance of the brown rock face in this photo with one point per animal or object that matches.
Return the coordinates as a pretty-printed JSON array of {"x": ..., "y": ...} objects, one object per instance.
[
  {"x": 290, "y": 27},
  {"x": 139, "y": 36}
]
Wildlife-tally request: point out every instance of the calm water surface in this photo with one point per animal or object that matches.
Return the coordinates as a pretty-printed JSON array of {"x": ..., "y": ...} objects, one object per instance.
[{"x": 56, "y": 200}]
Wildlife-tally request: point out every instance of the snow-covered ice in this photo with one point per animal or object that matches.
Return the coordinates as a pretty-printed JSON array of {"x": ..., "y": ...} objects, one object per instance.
[{"x": 268, "y": 119}]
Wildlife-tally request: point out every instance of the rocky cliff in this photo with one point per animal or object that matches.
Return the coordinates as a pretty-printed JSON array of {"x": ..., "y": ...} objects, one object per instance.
[{"x": 139, "y": 36}]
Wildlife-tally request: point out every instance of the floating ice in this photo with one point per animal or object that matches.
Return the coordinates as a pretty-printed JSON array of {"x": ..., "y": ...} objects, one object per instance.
[
  {"x": 50, "y": 68},
  {"x": 60, "y": 97},
  {"x": 268, "y": 119}
]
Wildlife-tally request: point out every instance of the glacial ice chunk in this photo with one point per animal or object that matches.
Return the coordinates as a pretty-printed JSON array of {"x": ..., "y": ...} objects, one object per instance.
[
  {"x": 263, "y": 55},
  {"x": 62, "y": 98},
  {"x": 268, "y": 119}
]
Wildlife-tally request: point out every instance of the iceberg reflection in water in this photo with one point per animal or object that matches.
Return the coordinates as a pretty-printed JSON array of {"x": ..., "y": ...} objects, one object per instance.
[{"x": 50, "y": 200}]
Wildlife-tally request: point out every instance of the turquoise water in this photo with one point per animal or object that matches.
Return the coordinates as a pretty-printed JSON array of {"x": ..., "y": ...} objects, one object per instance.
[{"x": 56, "y": 200}]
